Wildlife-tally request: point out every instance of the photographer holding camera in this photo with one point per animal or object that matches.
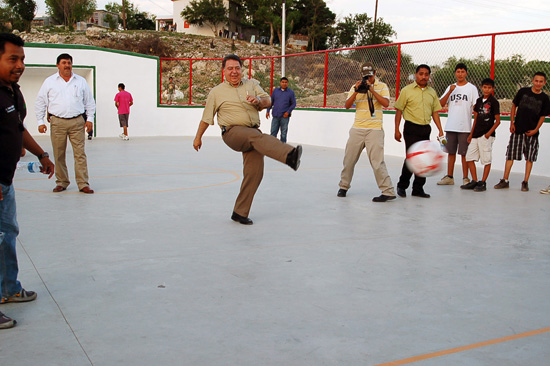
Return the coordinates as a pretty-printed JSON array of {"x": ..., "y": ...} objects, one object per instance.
[{"x": 369, "y": 95}]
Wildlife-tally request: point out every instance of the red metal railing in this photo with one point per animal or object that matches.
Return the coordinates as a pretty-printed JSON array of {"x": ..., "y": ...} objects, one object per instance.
[{"x": 321, "y": 79}]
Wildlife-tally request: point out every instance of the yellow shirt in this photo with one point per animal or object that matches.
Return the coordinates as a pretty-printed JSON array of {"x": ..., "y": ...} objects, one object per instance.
[
  {"x": 418, "y": 104},
  {"x": 230, "y": 105},
  {"x": 363, "y": 118}
]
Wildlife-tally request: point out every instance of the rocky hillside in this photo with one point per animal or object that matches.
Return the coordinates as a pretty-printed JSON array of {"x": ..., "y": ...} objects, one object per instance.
[
  {"x": 162, "y": 44},
  {"x": 307, "y": 74}
]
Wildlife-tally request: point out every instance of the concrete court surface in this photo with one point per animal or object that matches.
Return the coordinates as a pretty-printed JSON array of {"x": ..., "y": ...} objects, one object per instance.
[{"x": 150, "y": 270}]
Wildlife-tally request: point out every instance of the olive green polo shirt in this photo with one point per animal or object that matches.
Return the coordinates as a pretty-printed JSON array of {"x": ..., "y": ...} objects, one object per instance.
[
  {"x": 230, "y": 105},
  {"x": 418, "y": 104}
]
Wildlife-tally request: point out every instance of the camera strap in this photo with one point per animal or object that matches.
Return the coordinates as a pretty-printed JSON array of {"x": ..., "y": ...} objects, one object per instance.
[{"x": 371, "y": 102}]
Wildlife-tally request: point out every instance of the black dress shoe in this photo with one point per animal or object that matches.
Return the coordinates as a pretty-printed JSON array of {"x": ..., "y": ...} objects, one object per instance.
[
  {"x": 401, "y": 192},
  {"x": 293, "y": 157},
  {"x": 241, "y": 219},
  {"x": 383, "y": 198},
  {"x": 420, "y": 194},
  {"x": 342, "y": 192}
]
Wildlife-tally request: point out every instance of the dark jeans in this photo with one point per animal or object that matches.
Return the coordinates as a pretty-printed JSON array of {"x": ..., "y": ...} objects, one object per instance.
[
  {"x": 282, "y": 123},
  {"x": 412, "y": 133}
]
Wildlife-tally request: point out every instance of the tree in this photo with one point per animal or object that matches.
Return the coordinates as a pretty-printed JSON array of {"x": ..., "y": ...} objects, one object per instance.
[
  {"x": 135, "y": 19},
  {"x": 267, "y": 14},
  {"x": 360, "y": 30},
  {"x": 206, "y": 12},
  {"x": 68, "y": 12},
  {"x": 315, "y": 19},
  {"x": 511, "y": 73},
  {"x": 113, "y": 22},
  {"x": 19, "y": 12}
]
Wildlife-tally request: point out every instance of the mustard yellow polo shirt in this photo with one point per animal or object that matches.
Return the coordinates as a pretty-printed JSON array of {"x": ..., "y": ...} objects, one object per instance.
[
  {"x": 363, "y": 118},
  {"x": 230, "y": 105},
  {"x": 418, "y": 104}
]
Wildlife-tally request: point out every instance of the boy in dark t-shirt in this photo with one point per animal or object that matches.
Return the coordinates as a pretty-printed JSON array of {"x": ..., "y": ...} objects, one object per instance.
[
  {"x": 482, "y": 136},
  {"x": 529, "y": 108}
]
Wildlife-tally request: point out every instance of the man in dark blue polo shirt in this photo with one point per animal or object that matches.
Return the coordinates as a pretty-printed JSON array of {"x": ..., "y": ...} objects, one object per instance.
[
  {"x": 283, "y": 102},
  {"x": 13, "y": 137}
]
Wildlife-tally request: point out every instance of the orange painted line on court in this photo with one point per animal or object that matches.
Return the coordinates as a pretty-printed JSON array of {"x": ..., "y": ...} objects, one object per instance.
[{"x": 465, "y": 348}]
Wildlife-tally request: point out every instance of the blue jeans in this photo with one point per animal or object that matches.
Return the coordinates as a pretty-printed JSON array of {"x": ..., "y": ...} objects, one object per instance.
[
  {"x": 8, "y": 235},
  {"x": 281, "y": 122}
]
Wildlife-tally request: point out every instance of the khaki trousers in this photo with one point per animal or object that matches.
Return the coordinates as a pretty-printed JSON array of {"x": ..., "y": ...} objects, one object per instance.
[
  {"x": 73, "y": 128},
  {"x": 254, "y": 145},
  {"x": 373, "y": 141}
]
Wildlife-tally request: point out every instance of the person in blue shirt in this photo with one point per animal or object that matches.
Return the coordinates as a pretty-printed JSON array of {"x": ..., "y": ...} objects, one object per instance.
[{"x": 283, "y": 102}]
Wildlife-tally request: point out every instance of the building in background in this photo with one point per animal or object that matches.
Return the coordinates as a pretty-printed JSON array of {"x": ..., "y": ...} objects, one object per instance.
[{"x": 232, "y": 29}]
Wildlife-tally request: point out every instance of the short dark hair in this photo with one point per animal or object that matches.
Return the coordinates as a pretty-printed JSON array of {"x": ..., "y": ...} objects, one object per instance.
[
  {"x": 284, "y": 78},
  {"x": 423, "y": 66},
  {"x": 121, "y": 86},
  {"x": 461, "y": 66},
  {"x": 540, "y": 73},
  {"x": 10, "y": 38},
  {"x": 231, "y": 57},
  {"x": 64, "y": 56},
  {"x": 488, "y": 81}
]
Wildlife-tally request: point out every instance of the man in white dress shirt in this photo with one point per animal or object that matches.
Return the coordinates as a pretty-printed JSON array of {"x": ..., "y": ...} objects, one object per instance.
[{"x": 64, "y": 99}]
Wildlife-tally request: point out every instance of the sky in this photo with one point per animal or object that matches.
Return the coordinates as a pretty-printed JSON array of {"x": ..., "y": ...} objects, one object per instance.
[{"x": 418, "y": 19}]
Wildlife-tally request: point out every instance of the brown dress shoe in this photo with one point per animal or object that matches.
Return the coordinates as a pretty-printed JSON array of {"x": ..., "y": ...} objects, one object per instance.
[
  {"x": 59, "y": 189},
  {"x": 87, "y": 190}
]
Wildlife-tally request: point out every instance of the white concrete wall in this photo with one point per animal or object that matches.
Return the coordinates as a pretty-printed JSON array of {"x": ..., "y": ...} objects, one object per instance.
[{"x": 147, "y": 118}]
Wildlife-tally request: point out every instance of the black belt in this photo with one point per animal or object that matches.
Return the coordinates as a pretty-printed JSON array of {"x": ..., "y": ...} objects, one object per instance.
[{"x": 227, "y": 128}]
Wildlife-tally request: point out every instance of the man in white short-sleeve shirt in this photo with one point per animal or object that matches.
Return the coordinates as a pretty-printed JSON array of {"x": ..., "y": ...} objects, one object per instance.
[{"x": 461, "y": 98}]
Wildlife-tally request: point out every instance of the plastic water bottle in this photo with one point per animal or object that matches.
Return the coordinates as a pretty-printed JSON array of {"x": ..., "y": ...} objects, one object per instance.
[
  {"x": 31, "y": 166},
  {"x": 442, "y": 143}
]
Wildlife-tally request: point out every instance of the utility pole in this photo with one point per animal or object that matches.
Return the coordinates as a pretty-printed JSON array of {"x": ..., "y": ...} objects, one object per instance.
[
  {"x": 283, "y": 41},
  {"x": 374, "y": 26},
  {"x": 124, "y": 14},
  {"x": 375, "y": 12}
]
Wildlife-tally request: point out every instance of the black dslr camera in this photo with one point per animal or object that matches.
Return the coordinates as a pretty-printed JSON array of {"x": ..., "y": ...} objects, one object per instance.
[
  {"x": 364, "y": 86},
  {"x": 367, "y": 70}
]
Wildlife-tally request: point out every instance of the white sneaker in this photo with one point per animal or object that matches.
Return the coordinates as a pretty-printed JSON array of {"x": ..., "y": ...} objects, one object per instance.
[
  {"x": 545, "y": 190},
  {"x": 446, "y": 181},
  {"x": 125, "y": 138},
  {"x": 121, "y": 136},
  {"x": 466, "y": 180}
]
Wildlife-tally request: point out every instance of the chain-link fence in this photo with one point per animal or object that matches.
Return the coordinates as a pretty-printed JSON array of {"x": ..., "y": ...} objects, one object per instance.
[{"x": 322, "y": 79}]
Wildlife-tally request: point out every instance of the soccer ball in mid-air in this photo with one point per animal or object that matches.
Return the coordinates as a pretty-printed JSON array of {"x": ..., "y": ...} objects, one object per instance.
[{"x": 424, "y": 158}]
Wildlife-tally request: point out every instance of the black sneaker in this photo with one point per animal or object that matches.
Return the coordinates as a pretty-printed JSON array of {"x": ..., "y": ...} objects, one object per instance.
[
  {"x": 481, "y": 186},
  {"x": 524, "y": 186},
  {"x": 470, "y": 185},
  {"x": 401, "y": 192},
  {"x": 293, "y": 158},
  {"x": 342, "y": 192}
]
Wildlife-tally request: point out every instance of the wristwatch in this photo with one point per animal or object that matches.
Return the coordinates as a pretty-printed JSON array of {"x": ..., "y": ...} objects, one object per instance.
[{"x": 43, "y": 155}]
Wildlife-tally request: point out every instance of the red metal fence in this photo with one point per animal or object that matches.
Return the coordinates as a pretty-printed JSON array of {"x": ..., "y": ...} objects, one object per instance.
[{"x": 322, "y": 79}]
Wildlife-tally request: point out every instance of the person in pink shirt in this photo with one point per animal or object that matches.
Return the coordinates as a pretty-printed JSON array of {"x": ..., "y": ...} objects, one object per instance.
[{"x": 123, "y": 101}]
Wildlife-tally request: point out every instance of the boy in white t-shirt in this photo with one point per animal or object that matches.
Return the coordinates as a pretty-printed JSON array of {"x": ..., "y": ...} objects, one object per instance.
[{"x": 460, "y": 98}]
